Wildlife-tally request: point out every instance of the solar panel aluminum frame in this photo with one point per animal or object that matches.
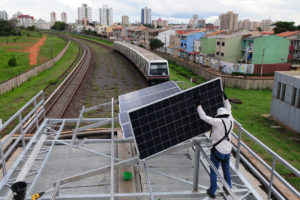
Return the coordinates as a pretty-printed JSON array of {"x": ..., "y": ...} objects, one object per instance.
[{"x": 161, "y": 152}]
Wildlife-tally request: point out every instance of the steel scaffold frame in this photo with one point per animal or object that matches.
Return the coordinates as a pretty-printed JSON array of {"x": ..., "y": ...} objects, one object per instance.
[{"x": 52, "y": 128}]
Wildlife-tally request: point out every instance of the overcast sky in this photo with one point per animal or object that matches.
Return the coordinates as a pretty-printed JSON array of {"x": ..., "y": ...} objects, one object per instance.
[{"x": 176, "y": 11}]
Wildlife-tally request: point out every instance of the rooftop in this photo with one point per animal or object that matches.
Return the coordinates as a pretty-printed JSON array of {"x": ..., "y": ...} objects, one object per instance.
[{"x": 288, "y": 33}]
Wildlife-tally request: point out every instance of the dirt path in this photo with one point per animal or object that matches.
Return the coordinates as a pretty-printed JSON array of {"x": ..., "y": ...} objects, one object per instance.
[{"x": 34, "y": 51}]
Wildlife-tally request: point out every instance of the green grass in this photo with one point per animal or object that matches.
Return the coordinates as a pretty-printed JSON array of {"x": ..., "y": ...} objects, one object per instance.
[
  {"x": 249, "y": 114},
  {"x": 95, "y": 39},
  {"x": 12, "y": 101},
  {"x": 54, "y": 42},
  {"x": 7, "y": 52}
]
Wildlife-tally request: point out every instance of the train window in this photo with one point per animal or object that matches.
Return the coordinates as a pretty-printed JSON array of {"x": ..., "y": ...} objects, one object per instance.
[{"x": 158, "y": 69}]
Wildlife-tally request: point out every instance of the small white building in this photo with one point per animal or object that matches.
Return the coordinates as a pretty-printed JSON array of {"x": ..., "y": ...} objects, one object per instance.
[{"x": 165, "y": 37}]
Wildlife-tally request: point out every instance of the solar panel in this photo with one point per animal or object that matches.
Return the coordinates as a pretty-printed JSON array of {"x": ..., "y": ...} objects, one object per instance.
[
  {"x": 143, "y": 97},
  {"x": 137, "y": 98},
  {"x": 174, "y": 119}
]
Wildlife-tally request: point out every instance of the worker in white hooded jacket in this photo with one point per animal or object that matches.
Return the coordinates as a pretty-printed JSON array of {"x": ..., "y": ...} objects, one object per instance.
[{"x": 222, "y": 125}]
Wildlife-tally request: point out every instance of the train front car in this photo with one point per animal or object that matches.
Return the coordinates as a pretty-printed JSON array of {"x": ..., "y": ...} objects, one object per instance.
[{"x": 158, "y": 71}]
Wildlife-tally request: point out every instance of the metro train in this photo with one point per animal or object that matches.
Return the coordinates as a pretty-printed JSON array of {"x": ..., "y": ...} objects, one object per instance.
[{"x": 154, "y": 68}]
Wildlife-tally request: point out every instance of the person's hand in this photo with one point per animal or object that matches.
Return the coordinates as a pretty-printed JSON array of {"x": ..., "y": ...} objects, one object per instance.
[
  {"x": 224, "y": 95},
  {"x": 197, "y": 100}
]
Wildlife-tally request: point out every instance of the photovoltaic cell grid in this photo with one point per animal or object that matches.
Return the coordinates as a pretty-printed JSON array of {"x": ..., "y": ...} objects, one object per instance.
[
  {"x": 140, "y": 98},
  {"x": 173, "y": 120}
]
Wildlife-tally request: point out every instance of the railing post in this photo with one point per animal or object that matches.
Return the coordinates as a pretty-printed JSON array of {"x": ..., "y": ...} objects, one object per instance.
[
  {"x": 43, "y": 106},
  {"x": 36, "y": 115},
  {"x": 238, "y": 150},
  {"x": 271, "y": 179},
  {"x": 196, "y": 169},
  {"x": 2, "y": 157},
  {"x": 21, "y": 129}
]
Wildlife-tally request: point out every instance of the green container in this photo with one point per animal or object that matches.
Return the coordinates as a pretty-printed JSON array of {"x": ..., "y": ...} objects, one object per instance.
[{"x": 127, "y": 176}]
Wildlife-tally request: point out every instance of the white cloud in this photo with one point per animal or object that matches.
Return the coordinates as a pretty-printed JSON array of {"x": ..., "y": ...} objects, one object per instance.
[{"x": 173, "y": 10}]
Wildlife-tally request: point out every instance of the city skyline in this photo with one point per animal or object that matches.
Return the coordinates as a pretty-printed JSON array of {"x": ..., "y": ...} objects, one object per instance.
[{"x": 170, "y": 10}]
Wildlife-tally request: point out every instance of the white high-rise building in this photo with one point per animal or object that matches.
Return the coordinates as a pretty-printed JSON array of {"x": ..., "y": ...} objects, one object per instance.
[
  {"x": 3, "y": 15},
  {"x": 85, "y": 12},
  {"x": 146, "y": 15},
  {"x": 266, "y": 25},
  {"x": 106, "y": 15},
  {"x": 64, "y": 17},
  {"x": 53, "y": 18}
]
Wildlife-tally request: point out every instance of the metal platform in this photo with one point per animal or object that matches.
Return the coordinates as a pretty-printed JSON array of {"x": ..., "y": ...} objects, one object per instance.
[{"x": 76, "y": 165}]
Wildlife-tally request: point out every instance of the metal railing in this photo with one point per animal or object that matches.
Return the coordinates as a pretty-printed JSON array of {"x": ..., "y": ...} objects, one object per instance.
[
  {"x": 24, "y": 126},
  {"x": 268, "y": 183}
]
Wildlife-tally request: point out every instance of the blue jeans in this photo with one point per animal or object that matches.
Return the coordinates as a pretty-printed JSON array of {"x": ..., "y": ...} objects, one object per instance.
[{"x": 217, "y": 157}]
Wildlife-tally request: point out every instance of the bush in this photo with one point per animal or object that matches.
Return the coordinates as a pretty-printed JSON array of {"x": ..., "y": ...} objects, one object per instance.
[{"x": 12, "y": 62}]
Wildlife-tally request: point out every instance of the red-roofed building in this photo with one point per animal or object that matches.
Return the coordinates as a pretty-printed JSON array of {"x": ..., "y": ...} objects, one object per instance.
[
  {"x": 25, "y": 20},
  {"x": 292, "y": 36}
]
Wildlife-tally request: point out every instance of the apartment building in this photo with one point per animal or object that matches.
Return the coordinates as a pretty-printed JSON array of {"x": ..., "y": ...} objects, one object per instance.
[
  {"x": 146, "y": 16},
  {"x": 228, "y": 47},
  {"x": 125, "y": 20},
  {"x": 64, "y": 17},
  {"x": 3, "y": 15},
  {"x": 106, "y": 15},
  {"x": 84, "y": 13},
  {"x": 266, "y": 25},
  {"x": 160, "y": 23},
  {"x": 266, "y": 49},
  {"x": 229, "y": 21},
  {"x": 53, "y": 18}
]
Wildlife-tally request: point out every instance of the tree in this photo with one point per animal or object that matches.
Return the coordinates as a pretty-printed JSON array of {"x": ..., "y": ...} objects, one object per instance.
[
  {"x": 298, "y": 27},
  {"x": 155, "y": 44},
  {"x": 259, "y": 29},
  {"x": 282, "y": 26},
  {"x": 6, "y": 28},
  {"x": 12, "y": 62},
  {"x": 59, "y": 26},
  {"x": 31, "y": 28}
]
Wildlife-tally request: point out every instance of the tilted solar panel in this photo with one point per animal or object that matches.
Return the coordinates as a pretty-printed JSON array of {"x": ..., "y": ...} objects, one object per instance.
[
  {"x": 143, "y": 97},
  {"x": 174, "y": 119}
]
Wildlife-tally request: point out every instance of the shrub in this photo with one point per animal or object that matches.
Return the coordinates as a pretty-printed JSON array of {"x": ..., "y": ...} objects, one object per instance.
[{"x": 12, "y": 62}]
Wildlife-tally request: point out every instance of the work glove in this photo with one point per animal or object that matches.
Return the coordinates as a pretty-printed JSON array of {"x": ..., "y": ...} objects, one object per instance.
[
  {"x": 224, "y": 95},
  {"x": 197, "y": 100}
]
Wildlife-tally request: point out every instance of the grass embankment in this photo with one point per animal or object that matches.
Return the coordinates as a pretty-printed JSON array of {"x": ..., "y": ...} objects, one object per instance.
[
  {"x": 9, "y": 49},
  {"x": 12, "y": 101},
  {"x": 95, "y": 39},
  {"x": 255, "y": 103}
]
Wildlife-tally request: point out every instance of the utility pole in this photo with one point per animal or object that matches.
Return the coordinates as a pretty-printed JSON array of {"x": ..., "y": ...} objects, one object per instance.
[{"x": 262, "y": 61}]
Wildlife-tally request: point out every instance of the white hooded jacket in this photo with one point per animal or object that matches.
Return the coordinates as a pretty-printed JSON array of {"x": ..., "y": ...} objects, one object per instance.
[{"x": 218, "y": 130}]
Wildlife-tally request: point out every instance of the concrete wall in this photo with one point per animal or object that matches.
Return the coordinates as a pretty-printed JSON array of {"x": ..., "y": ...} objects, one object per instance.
[
  {"x": 208, "y": 45},
  {"x": 283, "y": 110},
  {"x": 228, "y": 80},
  {"x": 232, "y": 51},
  {"x": 276, "y": 49},
  {"x": 271, "y": 68},
  {"x": 18, "y": 80}
]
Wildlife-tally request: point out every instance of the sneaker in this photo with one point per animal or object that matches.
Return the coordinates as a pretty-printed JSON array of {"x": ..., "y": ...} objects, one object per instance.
[{"x": 210, "y": 195}]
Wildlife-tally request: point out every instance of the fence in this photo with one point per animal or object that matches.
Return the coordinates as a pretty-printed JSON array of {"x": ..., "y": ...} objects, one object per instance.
[
  {"x": 287, "y": 190},
  {"x": 245, "y": 82},
  {"x": 18, "y": 80}
]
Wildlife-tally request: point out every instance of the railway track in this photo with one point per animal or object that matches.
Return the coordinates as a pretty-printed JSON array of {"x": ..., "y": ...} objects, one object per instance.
[{"x": 57, "y": 103}]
